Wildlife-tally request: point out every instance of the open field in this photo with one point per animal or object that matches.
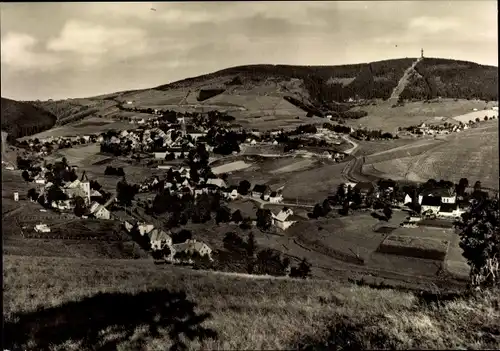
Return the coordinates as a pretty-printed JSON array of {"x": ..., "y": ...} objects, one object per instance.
[
  {"x": 476, "y": 114},
  {"x": 382, "y": 116},
  {"x": 94, "y": 126},
  {"x": 428, "y": 248},
  {"x": 79, "y": 155},
  {"x": 455, "y": 263},
  {"x": 69, "y": 236},
  {"x": 312, "y": 184},
  {"x": 296, "y": 166},
  {"x": 375, "y": 146},
  {"x": 230, "y": 167},
  {"x": 245, "y": 313},
  {"x": 472, "y": 154}
]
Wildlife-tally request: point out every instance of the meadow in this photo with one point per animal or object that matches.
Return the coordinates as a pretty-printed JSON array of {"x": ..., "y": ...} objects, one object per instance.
[
  {"x": 472, "y": 154},
  {"x": 382, "y": 116},
  {"x": 54, "y": 302}
]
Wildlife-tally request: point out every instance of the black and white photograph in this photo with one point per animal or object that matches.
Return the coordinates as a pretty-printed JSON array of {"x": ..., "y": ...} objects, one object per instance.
[{"x": 250, "y": 175}]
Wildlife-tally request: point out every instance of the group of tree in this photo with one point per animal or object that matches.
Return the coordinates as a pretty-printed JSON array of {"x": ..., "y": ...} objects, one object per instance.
[
  {"x": 23, "y": 164},
  {"x": 365, "y": 134},
  {"x": 197, "y": 160},
  {"x": 182, "y": 209},
  {"x": 480, "y": 241},
  {"x": 126, "y": 192},
  {"x": 266, "y": 261},
  {"x": 114, "y": 171}
]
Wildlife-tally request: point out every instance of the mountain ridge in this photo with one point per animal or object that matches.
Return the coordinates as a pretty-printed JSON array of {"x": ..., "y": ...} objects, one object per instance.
[{"x": 289, "y": 91}]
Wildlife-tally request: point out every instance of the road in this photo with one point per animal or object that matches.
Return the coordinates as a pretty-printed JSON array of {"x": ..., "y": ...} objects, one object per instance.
[{"x": 353, "y": 143}]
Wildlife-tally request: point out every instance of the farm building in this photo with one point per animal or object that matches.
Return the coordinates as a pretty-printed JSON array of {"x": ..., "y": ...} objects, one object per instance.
[
  {"x": 447, "y": 195},
  {"x": 231, "y": 193},
  {"x": 159, "y": 239},
  {"x": 99, "y": 211},
  {"x": 78, "y": 188},
  {"x": 283, "y": 220},
  {"x": 259, "y": 190},
  {"x": 191, "y": 246},
  {"x": 450, "y": 210},
  {"x": 407, "y": 199},
  {"x": 145, "y": 228},
  {"x": 275, "y": 197},
  {"x": 431, "y": 204}
]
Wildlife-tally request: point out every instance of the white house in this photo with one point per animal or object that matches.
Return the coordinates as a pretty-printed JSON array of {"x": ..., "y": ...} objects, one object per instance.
[
  {"x": 231, "y": 194},
  {"x": 447, "y": 196},
  {"x": 275, "y": 197},
  {"x": 145, "y": 228},
  {"x": 431, "y": 204},
  {"x": 40, "y": 179},
  {"x": 407, "y": 200},
  {"x": 99, "y": 211},
  {"x": 191, "y": 246},
  {"x": 159, "y": 239},
  {"x": 42, "y": 228},
  {"x": 78, "y": 188},
  {"x": 280, "y": 220},
  {"x": 450, "y": 210}
]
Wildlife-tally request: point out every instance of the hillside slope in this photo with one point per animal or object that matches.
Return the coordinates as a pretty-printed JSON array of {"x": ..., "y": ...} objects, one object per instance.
[
  {"x": 21, "y": 118},
  {"x": 452, "y": 79},
  {"x": 268, "y": 96},
  {"x": 134, "y": 304}
]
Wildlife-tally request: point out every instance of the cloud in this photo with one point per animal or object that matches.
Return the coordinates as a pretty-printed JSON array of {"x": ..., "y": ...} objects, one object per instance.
[
  {"x": 432, "y": 25},
  {"x": 17, "y": 52},
  {"x": 94, "y": 40}
]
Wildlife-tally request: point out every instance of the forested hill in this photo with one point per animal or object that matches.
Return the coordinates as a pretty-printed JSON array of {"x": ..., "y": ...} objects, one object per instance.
[
  {"x": 435, "y": 77},
  {"x": 21, "y": 118}
]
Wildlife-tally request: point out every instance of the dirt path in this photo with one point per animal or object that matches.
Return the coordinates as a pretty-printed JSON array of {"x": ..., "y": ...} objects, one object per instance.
[{"x": 353, "y": 143}]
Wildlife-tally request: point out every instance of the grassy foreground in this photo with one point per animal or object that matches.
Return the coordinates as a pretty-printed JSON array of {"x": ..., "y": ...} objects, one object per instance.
[{"x": 71, "y": 304}]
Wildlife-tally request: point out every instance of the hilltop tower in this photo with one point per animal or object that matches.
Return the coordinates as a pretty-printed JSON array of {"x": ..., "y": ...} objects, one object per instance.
[{"x": 421, "y": 53}]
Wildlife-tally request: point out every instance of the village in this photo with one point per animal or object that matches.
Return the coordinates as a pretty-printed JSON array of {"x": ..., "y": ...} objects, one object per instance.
[{"x": 191, "y": 159}]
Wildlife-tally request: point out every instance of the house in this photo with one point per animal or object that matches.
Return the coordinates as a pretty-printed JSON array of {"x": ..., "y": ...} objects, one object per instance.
[
  {"x": 159, "y": 239},
  {"x": 40, "y": 179},
  {"x": 259, "y": 190},
  {"x": 95, "y": 195},
  {"x": 349, "y": 184},
  {"x": 62, "y": 205},
  {"x": 191, "y": 246},
  {"x": 283, "y": 220},
  {"x": 217, "y": 182},
  {"x": 275, "y": 197},
  {"x": 364, "y": 188},
  {"x": 99, "y": 211},
  {"x": 78, "y": 188},
  {"x": 145, "y": 228},
  {"x": 407, "y": 199},
  {"x": 447, "y": 195},
  {"x": 42, "y": 228},
  {"x": 231, "y": 193},
  {"x": 430, "y": 204},
  {"x": 450, "y": 210}
]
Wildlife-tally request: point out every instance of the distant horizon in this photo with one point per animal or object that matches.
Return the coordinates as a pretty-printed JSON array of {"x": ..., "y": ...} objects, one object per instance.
[
  {"x": 243, "y": 65},
  {"x": 89, "y": 49}
]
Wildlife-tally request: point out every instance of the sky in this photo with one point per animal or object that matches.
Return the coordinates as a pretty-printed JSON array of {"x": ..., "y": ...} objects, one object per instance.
[{"x": 67, "y": 50}]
